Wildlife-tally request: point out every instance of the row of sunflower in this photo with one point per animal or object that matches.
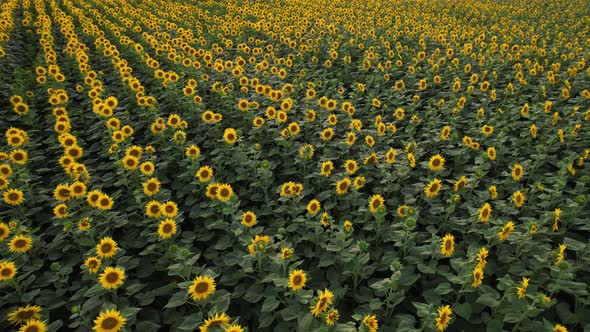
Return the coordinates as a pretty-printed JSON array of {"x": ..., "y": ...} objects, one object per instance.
[{"x": 261, "y": 116}]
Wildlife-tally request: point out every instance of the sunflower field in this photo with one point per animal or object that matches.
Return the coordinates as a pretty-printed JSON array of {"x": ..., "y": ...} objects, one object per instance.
[{"x": 294, "y": 165}]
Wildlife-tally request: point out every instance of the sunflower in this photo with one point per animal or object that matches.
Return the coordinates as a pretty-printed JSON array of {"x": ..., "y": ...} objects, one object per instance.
[
  {"x": 556, "y": 218},
  {"x": 93, "y": 264},
  {"x": 224, "y": 192},
  {"x": 521, "y": 291},
  {"x": 216, "y": 320},
  {"x": 33, "y": 325},
  {"x": 482, "y": 255},
  {"x": 350, "y": 166},
  {"x": 92, "y": 197},
  {"x": 111, "y": 277},
  {"x": 371, "y": 323},
  {"x": 297, "y": 280},
  {"x": 313, "y": 206},
  {"x": 130, "y": 162},
  {"x": 192, "y": 152},
  {"x": 5, "y": 170},
  {"x": 230, "y": 135},
  {"x": 477, "y": 277},
  {"x": 325, "y": 298},
  {"x": 248, "y": 219},
  {"x": 18, "y": 156},
  {"x": 484, "y": 213},
  {"x": 444, "y": 317},
  {"x": 327, "y": 134},
  {"x": 559, "y": 328},
  {"x": 24, "y": 314},
  {"x": 106, "y": 248},
  {"x": 375, "y": 202},
  {"x": 293, "y": 128},
  {"x": 205, "y": 173},
  {"x": 109, "y": 321},
  {"x": 518, "y": 198},
  {"x": 493, "y": 192},
  {"x": 461, "y": 183},
  {"x": 4, "y": 183},
  {"x": 167, "y": 228},
  {"x": 62, "y": 192},
  {"x": 286, "y": 253},
  {"x": 350, "y": 138},
  {"x": 77, "y": 189},
  {"x": 147, "y": 168},
  {"x": 211, "y": 190},
  {"x": 169, "y": 209},
  {"x": 506, "y": 230},
  {"x": 447, "y": 245},
  {"x": 202, "y": 288},
  {"x": 151, "y": 187},
  {"x": 342, "y": 186},
  {"x": 332, "y": 317},
  {"x": 234, "y": 328},
  {"x": 517, "y": 172},
  {"x": 4, "y": 231},
  {"x": 7, "y": 270},
  {"x": 20, "y": 244},
  {"x": 359, "y": 182},
  {"x": 60, "y": 211},
  {"x": 259, "y": 243},
  {"x": 433, "y": 188},
  {"x": 436, "y": 163},
  {"x": 153, "y": 209},
  {"x": 390, "y": 156},
  {"x": 13, "y": 197},
  {"x": 104, "y": 202},
  {"x": 326, "y": 168},
  {"x": 491, "y": 153},
  {"x": 487, "y": 130}
]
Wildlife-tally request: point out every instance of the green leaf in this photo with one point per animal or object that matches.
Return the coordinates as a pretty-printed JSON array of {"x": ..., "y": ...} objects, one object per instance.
[
  {"x": 177, "y": 300},
  {"x": 270, "y": 304}
]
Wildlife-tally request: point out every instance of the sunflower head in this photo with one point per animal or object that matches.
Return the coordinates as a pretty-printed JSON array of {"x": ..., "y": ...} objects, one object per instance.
[{"x": 201, "y": 288}]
